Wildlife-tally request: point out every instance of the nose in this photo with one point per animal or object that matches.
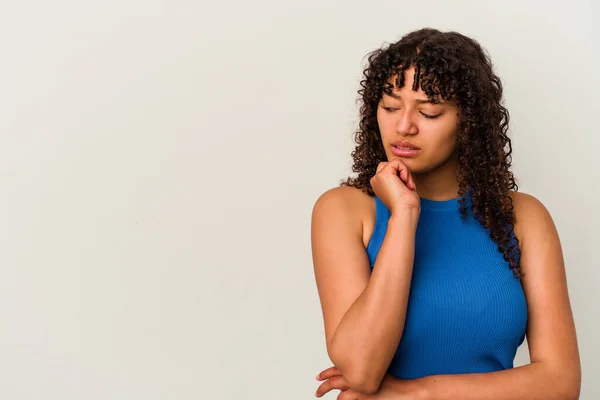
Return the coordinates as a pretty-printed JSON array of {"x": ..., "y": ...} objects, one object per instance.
[{"x": 406, "y": 124}]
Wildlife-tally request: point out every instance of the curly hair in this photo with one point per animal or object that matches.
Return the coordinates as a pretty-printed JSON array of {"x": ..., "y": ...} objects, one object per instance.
[{"x": 452, "y": 67}]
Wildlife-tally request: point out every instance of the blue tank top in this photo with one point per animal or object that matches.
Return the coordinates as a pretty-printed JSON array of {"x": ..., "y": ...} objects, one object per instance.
[{"x": 466, "y": 312}]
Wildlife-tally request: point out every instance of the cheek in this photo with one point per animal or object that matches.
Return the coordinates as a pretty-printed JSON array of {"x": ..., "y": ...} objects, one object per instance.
[
  {"x": 385, "y": 122},
  {"x": 381, "y": 122},
  {"x": 450, "y": 139},
  {"x": 444, "y": 142}
]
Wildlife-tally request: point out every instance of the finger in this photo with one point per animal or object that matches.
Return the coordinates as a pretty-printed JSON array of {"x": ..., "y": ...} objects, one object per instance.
[
  {"x": 404, "y": 175},
  {"x": 348, "y": 395},
  {"x": 337, "y": 382},
  {"x": 411, "y": 182},
  {"x": 400, "y": 169},
  {"x": 398, "y": 165},
  {"x": 380, "y": 166},
  {"x": 328, "y": 373}
]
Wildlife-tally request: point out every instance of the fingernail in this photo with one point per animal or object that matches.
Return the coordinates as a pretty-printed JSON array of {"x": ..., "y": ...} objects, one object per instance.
[{"x": 317, "y": 377}]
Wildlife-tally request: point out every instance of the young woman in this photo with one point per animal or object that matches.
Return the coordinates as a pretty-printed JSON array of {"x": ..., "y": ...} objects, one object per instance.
[{"x": 431, "y": 268}]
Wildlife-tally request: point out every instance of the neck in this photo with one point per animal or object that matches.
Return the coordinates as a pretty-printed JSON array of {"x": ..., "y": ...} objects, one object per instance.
[{"x": 440, "y": 183}]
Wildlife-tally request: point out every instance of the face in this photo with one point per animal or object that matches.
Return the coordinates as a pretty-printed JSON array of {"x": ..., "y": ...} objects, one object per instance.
[{"x": 420, "y": 133}]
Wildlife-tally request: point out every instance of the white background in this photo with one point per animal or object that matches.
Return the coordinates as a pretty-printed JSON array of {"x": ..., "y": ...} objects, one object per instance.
[{"x": 160, "y": 160}]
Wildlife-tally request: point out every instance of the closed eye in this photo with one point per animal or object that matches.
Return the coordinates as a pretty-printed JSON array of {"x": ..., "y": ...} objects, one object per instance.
[
  {"x": 428, "y": 116},
  {"x": 389, "y": 109}
]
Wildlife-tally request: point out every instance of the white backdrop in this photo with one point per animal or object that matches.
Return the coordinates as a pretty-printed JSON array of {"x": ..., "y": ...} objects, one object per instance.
[{"x": 160, "y": 160}]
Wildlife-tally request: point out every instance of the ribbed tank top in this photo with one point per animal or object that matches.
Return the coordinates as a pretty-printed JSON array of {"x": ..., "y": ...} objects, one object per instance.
[{"x": 466, "y": 311}]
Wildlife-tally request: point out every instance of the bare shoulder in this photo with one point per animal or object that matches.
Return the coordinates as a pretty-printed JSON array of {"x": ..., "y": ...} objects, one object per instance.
[
  {"x": 337, "y": 209},
  {"x": 532, "y": 218},
  {"x": 539, "y": 242},
  {"x": 525, "y": 199},
  {"x": 551, "y": 334},
  {"x": 349, "y": 197},
  {"x": 341, "y": 264},
  {"x": 349, "y": 206}
]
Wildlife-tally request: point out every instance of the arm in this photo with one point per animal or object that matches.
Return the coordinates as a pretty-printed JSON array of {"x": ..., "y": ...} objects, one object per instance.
[
  {"x": 555, "y": 371},
  {"x": 364, "y": 313}
]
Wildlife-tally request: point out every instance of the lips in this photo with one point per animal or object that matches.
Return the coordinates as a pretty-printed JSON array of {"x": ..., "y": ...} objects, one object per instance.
[{"x": 405, "y": 145}]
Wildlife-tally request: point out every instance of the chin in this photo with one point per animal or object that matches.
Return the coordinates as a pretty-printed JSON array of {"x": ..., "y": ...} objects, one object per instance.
[
  {"x": 415, "y": 166},
  {"x": 409, "y": 161}
]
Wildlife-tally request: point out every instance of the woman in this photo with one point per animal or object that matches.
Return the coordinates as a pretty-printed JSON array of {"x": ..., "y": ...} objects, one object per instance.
[{"x": 431, "y": 268}]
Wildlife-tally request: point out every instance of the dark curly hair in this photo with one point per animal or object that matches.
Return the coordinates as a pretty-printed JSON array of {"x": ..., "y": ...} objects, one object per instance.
[{"x": 453, "y": 67}]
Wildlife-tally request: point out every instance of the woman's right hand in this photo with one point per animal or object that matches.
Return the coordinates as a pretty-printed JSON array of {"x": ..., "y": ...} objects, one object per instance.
[{"x": 394, "y": 185}]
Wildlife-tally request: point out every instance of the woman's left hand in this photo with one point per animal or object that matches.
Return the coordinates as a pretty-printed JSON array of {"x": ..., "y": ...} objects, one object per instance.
[{"x": 391, "y": 388}]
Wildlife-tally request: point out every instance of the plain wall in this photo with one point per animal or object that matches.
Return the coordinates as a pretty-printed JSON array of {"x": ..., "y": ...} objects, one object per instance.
[{"x": 160, "y": 160}]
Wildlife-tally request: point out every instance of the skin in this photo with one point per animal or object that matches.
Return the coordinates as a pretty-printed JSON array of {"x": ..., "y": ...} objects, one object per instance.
[
  {"x": 554, "y": 371},
  {"x": 408, "y": 116}
]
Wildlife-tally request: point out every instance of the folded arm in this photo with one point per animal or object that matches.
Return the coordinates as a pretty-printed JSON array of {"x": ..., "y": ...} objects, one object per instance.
[
  {"x": 364, "y": 312},
  {"x": 554, "y": 372}
]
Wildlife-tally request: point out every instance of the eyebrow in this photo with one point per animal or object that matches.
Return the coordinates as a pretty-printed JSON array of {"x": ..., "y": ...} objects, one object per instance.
[{"x": 419, "y": 101}]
